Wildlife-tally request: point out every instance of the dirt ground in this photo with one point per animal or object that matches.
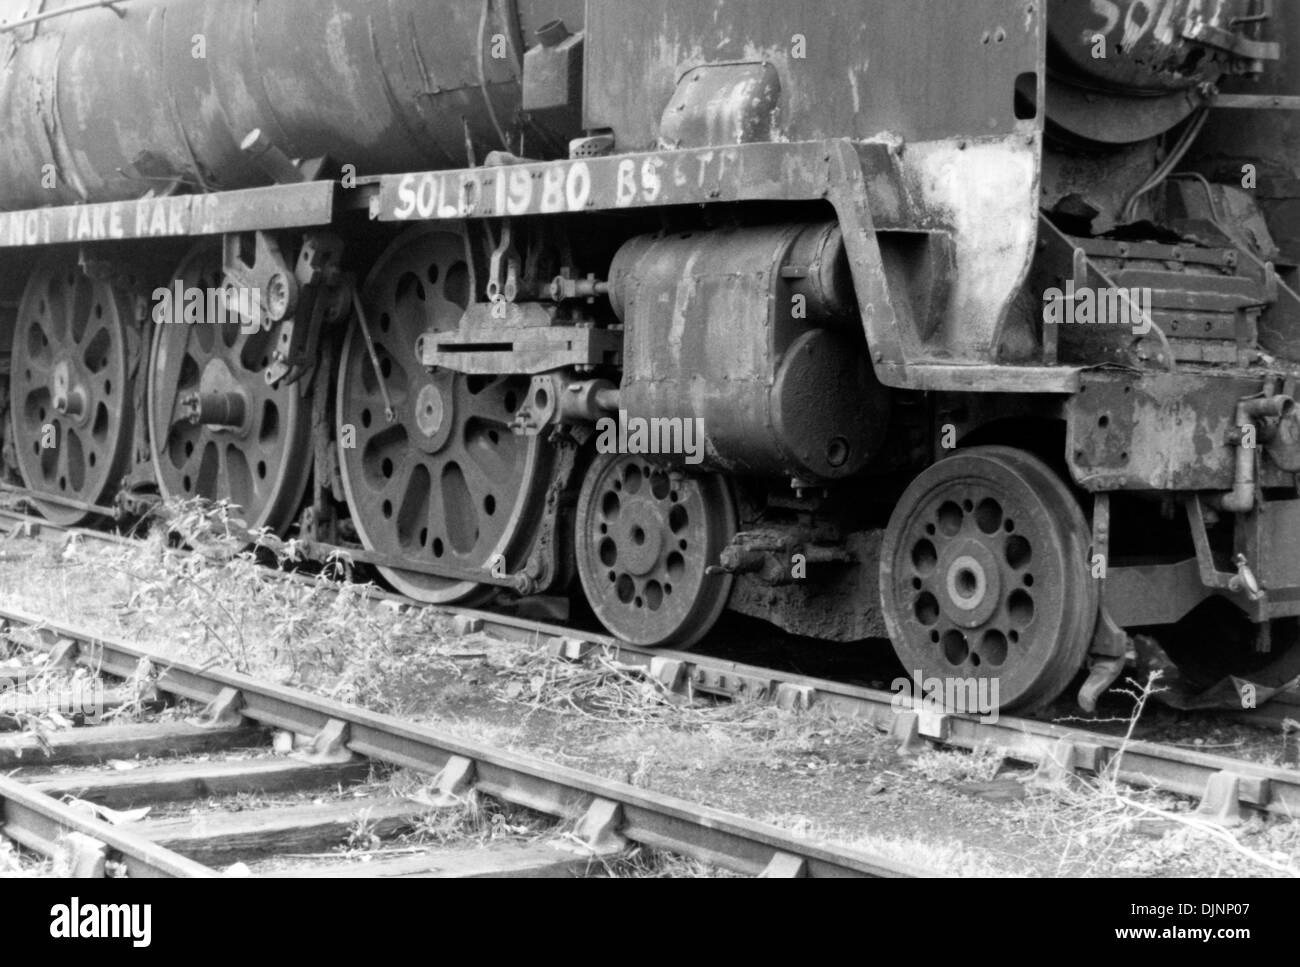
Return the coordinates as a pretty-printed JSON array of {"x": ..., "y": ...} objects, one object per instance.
[{"x": 830, "y": 779}]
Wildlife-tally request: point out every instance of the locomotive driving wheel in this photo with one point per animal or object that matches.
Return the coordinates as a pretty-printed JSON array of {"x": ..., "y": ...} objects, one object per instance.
[
  {"x": 984, "y": 575},
  {"x": 433, "y": 475},
  {"x": 217, "y": 430},
  {"x": 645, "y": 538},
  {"x": 69, "y": 389}
]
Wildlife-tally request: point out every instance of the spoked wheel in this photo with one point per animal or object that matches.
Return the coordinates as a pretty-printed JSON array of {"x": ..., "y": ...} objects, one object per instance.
[
  {"x": 217, "y": 430},
  {"x": 444, "y": 484},
  {"x": 68, "y": 392},
  {"x": 644, "y": 541},
  {"x": 984, "y": 575}
]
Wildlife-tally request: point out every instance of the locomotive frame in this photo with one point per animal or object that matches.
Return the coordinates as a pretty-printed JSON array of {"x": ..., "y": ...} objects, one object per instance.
[{"x": 912, "y": 222}]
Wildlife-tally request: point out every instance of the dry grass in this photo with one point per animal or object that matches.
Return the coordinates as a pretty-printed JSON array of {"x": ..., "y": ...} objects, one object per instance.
[
  {"x": 14, "y": 864},
  {"x": 949, "y": 766},
  {"x": 225, "y": 606},
  {"x": 949, "y": 856},
  {"x": 18, "y": 864},
  {"x": 1097, "y": 819},
  {"x": 641, "y": 863}
]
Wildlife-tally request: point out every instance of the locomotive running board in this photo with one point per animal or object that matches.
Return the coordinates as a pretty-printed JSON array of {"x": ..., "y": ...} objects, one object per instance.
[
  {"x": 253, "y": 209},
  {"x": 858, "y": 179}
]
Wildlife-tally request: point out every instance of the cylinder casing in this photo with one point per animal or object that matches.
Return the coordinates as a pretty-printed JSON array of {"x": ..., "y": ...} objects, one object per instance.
[{"x": 752, "y": 331}]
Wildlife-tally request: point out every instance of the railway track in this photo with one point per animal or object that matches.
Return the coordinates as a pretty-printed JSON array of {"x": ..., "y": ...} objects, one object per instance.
[
  {"x": 1227, "y": 788},
  {"x": 599, "y": 817}
]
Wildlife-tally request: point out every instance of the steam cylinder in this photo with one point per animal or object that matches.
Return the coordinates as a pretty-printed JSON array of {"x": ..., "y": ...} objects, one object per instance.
[
  {"x": 116, "y": 106},
  {"x": 755, "y": 332}
]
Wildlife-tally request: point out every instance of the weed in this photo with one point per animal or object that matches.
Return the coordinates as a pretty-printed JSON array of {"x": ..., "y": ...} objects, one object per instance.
[{"x": 1106, "y": 824}]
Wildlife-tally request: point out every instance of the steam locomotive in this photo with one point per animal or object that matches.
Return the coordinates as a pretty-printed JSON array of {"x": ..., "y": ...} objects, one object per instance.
[{"x": 972, "y": 324}]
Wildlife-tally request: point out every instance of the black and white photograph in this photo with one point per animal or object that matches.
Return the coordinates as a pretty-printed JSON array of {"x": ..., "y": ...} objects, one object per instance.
[{"x": 649, "y": 439}]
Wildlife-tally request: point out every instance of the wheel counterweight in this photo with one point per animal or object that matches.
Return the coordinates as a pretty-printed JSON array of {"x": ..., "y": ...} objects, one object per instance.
[{"x": 984, "y": 575}]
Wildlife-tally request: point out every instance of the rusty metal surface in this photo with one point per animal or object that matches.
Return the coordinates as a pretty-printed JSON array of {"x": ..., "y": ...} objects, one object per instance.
[
  {"x": 164, "y": 94},
  {"x": 919, "y": 71},
  {"x": 1149, "y": 44},
  {"x": 915, "y": 125},
  {"x": 712, "y": 333},
  {"x": 1159, "y": 432},
  {"x": 723, "y": 104},
  {"x": 971, "y": 189},
  {"x": 992, "y": 236},
  {"x": 937, "y": 91},
  {"x": 1128, "y": 70},
  {"x": 285, "y": 206},
  {"x": 1266, "y": 138},
  {"x": 842, "y": 604}
]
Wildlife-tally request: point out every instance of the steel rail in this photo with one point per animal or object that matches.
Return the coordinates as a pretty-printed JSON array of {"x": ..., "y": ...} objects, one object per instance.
[
  {"x": 35, "y": 497},
  {"x": 1185, "y": 772},
  {"x": 43, "y": 824},
  {"x": 664, "y": 822}
]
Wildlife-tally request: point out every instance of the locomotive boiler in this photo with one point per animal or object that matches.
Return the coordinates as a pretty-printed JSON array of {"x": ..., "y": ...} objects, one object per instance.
[{"x": 971, "y": 324}]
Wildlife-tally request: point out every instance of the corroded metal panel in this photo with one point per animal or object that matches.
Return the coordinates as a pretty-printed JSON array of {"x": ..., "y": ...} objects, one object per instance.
[
  {"x": 1160, "y": 432},
  {"x": 931, "y": 82},
  {"x": 116, "y": 106},
  {"x": 917, "y": 70}
]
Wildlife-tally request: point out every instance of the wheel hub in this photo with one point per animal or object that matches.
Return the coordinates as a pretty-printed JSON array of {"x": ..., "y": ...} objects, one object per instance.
[
  {"x": 972, "y": 584},
  {"x": 435, "y": 413},
  {"x": 221, "y": 404},
  {"x": 639, "y": 532},
  {"x": 70, "y": 393}
]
